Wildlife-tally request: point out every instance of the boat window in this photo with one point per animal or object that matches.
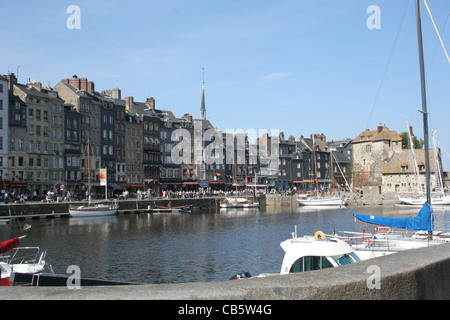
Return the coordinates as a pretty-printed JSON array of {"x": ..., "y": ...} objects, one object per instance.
[
  {"x": 310, "y": 263},
  {"x": 344, "y": 259},
  {"x": 355, "y": 257}
]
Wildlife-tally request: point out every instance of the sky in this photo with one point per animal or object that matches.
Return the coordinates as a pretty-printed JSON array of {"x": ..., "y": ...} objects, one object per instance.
[{"x": 298, "y": 66}]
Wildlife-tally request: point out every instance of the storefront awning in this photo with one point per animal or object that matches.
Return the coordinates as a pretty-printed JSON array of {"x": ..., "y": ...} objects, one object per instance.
[
  {"x": 116, "y": 186},
  {"x": 203, "y": 184},
  {"x": 133, "y": 185}
]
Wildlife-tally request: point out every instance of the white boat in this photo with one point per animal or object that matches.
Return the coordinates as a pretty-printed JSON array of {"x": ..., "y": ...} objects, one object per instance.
[
  {"x": 386, "y": 241},
  {"x": 229, "y": 202},
  {"x": 309, "y": 253},
  {"x": 19, "y": 260},
  {"x": 95, "y": 209},
  {"x": 437, "y": 199},
  {"x": 322, "y": 201}
]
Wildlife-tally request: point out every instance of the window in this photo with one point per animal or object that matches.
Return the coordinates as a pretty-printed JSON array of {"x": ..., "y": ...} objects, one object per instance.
[
  {"x": 310, "y": 263},
  {"x": 344, "y": 259}
]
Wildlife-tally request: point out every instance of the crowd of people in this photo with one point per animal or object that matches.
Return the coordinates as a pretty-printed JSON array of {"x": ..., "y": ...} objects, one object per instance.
[{"x": 148, "y": 194}]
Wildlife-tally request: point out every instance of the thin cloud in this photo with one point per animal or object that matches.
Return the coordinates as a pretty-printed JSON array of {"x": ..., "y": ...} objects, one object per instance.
[{"x": 273, "y": 77}]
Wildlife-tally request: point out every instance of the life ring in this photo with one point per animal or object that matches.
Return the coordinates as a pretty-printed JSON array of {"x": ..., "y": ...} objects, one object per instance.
[{"x": 319, "y": 235}]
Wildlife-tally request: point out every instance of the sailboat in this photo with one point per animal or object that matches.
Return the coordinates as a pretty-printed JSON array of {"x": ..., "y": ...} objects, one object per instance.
[
  {"x": 95, "y": 208},
  {"x": 321, "y": 200},
  {"x": 230, "y": 202},
  {"x": 424, "y": 221}
]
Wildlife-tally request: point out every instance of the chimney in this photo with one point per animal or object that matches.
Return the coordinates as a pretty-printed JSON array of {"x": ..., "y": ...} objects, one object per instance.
[
  {"x": 80, "y": 83},
  {"x": 37, "y": 85},
  {"x": 291, "y": 138},
  {"x": 410, "y": 131},
  {"x": 187, "y": 117},
  {"x": 116, "y": 93},
  {"x": 151, "y": 102},
  {"x": 379, "y": 128},
  {"x": 12, "y": 80},
  {"x": 129, "y": 103},
  {"x": 90, "y": 86},
  {"x": 281, "y": 135}
]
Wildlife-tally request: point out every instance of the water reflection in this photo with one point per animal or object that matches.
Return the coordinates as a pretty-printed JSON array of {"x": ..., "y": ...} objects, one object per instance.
[{"x": 202, "y": 246}]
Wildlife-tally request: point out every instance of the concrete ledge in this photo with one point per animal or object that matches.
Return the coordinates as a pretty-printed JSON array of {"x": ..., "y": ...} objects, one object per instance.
[{"x": 414, "y": 274}]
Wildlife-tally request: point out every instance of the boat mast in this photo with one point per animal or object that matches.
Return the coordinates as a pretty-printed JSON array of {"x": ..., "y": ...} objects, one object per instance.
[
  {"x": 235, "y": 176},
  {"x": 89, "y": 171},
  {"x": 424, "y": 106},
  {"x": 332, "y": 169},
  {"x": 315, "y": 166}
]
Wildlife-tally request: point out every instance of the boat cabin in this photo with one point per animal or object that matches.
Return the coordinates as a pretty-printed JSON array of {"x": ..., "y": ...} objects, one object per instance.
[{"x": 310, "y": 253}]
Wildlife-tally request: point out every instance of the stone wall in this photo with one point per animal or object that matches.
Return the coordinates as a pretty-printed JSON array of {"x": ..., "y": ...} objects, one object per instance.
[{"x": 413, "y": 274}]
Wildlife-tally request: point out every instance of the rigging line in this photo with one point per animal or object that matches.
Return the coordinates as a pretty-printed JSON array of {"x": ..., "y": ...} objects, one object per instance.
[
  {"x": 430, "y": 70},
  {"x": 437, "y": 30},
  {"x": 389, "y": 60}
]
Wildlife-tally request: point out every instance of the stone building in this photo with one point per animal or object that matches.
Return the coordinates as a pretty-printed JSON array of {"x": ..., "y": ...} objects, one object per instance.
[
  {"x": 372, "y": 150},
  {"x": 79, "y": 92},
  {"x": 151, "y": 125},
  {"x": 42, "y": 165},
  {"x": 401, "y": 175}
]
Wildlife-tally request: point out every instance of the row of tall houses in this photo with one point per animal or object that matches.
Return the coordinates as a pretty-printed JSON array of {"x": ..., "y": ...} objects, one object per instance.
[{"x": 54, "y": 139}]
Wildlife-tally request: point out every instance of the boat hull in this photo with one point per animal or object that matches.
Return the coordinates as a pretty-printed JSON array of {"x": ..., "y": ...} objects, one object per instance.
[
  {"x": 239, "y": 205},
  {"x": 184, "y": 209},
  {"x": 445, "y": 200},
  {"x": 92, "y": 212},
  {"x": 321, "y": 201}
]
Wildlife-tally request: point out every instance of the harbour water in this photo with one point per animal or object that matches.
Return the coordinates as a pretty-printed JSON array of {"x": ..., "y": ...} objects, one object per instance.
[{"x": 173, "y": 248}]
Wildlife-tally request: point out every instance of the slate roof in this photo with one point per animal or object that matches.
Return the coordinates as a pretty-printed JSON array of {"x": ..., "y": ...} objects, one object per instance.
[{"x": 405, "y": 159}]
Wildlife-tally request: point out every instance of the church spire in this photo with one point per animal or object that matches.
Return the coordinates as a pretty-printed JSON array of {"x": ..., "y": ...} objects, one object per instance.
[{"x": 203, "y": 108}]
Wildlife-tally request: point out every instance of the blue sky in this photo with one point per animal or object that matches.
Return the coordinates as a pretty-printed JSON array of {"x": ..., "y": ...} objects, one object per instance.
[{"x": 300, "y": 66}]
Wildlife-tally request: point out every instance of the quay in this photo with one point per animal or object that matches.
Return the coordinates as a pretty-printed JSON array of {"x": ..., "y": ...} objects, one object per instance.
[
  {"x": 415, "y": 274},
  {"x": 35, "y": 209}
]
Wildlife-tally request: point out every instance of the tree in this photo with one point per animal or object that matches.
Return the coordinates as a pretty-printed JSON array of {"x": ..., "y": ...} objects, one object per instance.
[{"x": 418, "y": 143}]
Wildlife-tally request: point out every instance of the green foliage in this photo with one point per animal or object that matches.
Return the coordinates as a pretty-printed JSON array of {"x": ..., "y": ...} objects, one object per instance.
[{"x": 418, "y": 144}]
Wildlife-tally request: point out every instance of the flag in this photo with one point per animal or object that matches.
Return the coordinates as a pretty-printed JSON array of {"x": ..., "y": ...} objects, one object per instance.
[{"x": 103, "y": 176}]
